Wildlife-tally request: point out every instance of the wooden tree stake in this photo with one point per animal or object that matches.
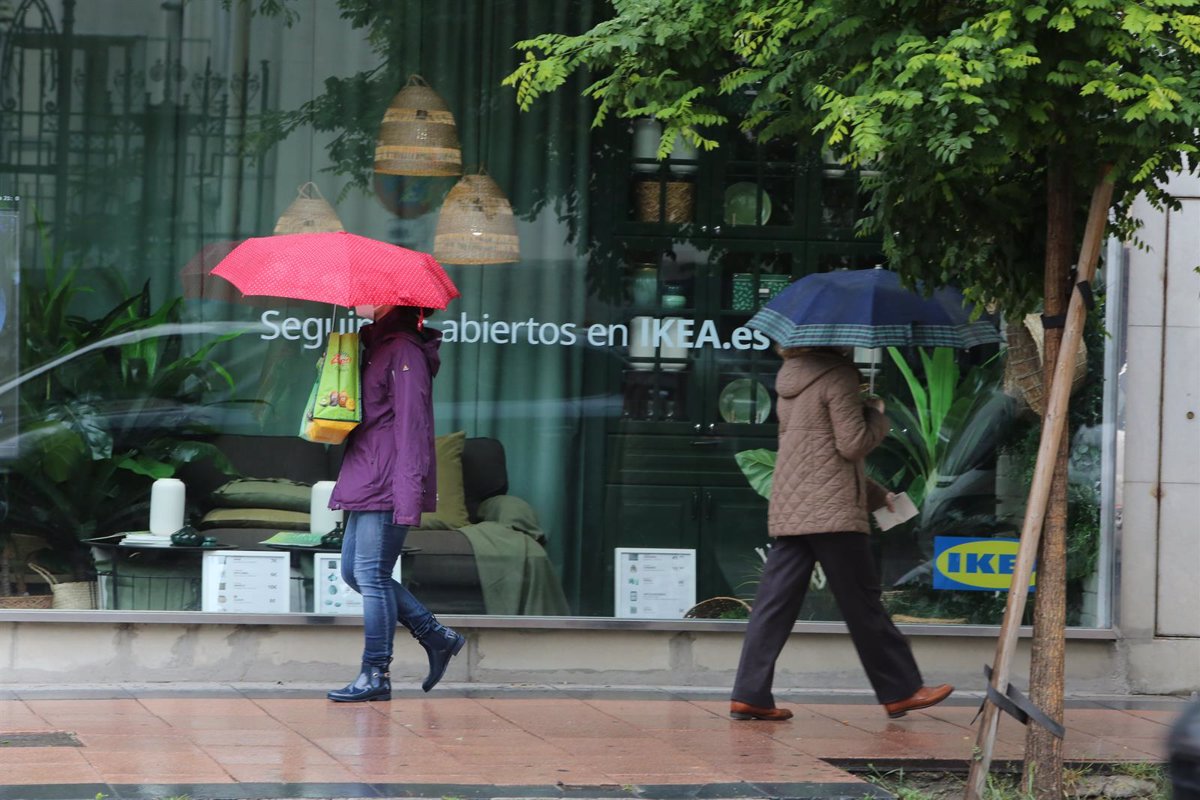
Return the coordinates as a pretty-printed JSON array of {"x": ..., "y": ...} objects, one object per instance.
[{"x": 1053, "y": 424}]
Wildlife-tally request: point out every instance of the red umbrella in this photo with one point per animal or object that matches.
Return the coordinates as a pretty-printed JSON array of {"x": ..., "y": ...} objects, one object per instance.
[{"x": 339, "y": 268}]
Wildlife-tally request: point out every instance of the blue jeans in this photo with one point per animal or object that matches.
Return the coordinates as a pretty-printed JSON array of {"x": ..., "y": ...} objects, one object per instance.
[{"x": 370, "y": 548}]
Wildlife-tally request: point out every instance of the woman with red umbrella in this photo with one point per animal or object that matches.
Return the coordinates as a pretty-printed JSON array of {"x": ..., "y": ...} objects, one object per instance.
[
  {"x": 388, "y": 477},
  {"x": 389, "y": 470}
]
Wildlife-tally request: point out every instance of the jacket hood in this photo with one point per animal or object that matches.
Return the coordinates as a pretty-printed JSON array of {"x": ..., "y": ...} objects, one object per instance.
[
  {"x": 399, "y": 323},
  {"x": 802, "y": 371}
]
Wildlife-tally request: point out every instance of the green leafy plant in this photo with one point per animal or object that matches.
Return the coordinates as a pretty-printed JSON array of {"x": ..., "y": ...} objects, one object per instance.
[
  {"x": 946, "y": 427},
  {"x": 108, "y": 407},
  {"x": 759, "y": 468}
]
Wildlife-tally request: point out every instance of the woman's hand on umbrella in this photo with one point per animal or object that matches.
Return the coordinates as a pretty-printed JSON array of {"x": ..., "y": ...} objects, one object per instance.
[{"x": 876, "y": 403}]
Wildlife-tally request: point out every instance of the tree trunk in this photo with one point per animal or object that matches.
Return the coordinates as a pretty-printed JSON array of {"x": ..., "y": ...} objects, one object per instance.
[{"x": 1043, "y": 751}]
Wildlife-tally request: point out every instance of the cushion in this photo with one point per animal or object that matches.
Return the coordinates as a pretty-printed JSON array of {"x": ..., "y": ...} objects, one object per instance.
[
  {"x": 273, "y": 518},
  {"x": 484, "y": 472},
  {"x": 451, "y": 500},
  {"x": 263, "y": 493}
]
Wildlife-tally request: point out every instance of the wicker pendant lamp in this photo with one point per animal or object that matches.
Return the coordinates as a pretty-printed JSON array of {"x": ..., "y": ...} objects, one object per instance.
[
  {"x": 418, "y": 135},
  {"x": 476, "y": 225},
  {"x": 310, "y": 212}
]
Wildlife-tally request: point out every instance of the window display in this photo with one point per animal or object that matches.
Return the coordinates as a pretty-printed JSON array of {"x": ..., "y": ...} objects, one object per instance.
[{"x": 603, "y": 395}]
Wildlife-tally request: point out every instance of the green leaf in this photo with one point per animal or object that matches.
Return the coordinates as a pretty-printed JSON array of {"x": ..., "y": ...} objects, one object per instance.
[{"x": 759, "y": 468}]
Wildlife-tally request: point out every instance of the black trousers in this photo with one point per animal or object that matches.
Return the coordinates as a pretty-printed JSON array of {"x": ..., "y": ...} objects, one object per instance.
[{"x": 854, "y": 580}]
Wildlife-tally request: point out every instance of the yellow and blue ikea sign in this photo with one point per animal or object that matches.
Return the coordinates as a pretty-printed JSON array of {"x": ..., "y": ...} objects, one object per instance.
[{"x": 974, "y": 564}]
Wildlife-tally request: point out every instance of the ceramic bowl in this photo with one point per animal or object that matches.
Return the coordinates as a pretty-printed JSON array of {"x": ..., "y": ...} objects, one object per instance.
[
  {"x": 740, "y": 202},
  {"x": 737, "y": 401}
]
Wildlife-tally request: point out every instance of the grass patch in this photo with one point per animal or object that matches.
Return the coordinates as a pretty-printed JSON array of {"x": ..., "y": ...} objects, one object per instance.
[{"x": 951, "y": 784}]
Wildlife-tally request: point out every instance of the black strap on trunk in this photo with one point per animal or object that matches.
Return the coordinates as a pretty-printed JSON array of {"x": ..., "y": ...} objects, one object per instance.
[{"x": 1018, "y": 706}]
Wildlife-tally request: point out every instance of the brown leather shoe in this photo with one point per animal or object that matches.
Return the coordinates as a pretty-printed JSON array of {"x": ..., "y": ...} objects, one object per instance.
[
  {"x": 924, "y": 697},
  {"x": 739, "y": 710}
]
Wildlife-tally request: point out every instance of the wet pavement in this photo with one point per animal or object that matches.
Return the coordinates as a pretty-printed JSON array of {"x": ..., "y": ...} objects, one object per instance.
[{"x": 472, "y": 741}]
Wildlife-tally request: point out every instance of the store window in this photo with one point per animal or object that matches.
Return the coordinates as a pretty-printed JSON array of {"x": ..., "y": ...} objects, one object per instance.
[{"x": 594, "y": 394}]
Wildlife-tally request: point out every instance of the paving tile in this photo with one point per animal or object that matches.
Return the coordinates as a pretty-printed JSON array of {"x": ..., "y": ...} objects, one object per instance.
[
  {"x": 157, "y": 742},
  {"x": 126, "y": 761},
  {"x": 229, "y": 755},
  {"x": 322, "y": 712},
  {"x": 231, "y": 722},
  {"x": 17, "y": 756},
  {"x": 1156, "y": 746},
  {"x": 40, "y": 774},
  {"x": 403, "y": 744},
  {"x": 1113, "y": 723},
  {"x": 244, "y": 790},
  {"x": 1079, "y": 746},
  {"x": 272, "y": 773},
  {"x": 272, "y": 738},
  {"x": 15, "y": 709},
  {"x": 195, "y": 706},
  {"x": 358, "y": 729},
  {"x": 426, "y": 775},
  {"x": 1164, "y": 718},
  {"x": 515, "y": 737},
  {"x": 951, "y": 746}
]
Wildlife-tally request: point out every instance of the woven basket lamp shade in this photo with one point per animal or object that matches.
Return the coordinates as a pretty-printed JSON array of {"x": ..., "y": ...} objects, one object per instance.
[
  {"x": 1023, "y": 366},
  {"x": 310, "y": 212},
  {"x": 418, "y": 135},
  {"x": 476, "y": 225}
]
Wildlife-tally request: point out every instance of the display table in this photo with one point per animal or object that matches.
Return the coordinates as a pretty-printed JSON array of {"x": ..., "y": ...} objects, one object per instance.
[
  {"x": 136, "y": 577},
  {"x": 324, "y": 591}
]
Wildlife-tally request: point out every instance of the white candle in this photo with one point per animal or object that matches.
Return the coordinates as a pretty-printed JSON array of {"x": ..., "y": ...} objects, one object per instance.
[
  {"x": 166, "y": 506},
  {"x": 321, "y": 518}
]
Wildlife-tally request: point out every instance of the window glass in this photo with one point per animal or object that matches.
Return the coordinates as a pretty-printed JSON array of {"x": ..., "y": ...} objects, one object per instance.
[{"x": 597, "y": 397}]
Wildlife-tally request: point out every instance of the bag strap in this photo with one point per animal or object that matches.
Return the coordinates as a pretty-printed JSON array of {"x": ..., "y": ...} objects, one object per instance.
[{"x": 50, "y": 579}]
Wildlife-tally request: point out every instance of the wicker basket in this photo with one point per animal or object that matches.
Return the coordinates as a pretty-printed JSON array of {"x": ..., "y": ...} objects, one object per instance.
[
  {"x": 672, "y": 201},
  {"x": 476, "y": 225},
  {"x": 310, "y": 212},
  {"x": 418, "y": 135},
  {"x": 27, "y": 601},
  {"x": 1023, "y": 368},
  {"x": 72, "y": 594},
  {"x": 717, "y": 607}
]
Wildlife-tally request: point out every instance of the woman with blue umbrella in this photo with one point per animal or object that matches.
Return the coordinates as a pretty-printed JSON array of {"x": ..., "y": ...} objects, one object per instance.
[{"x": 820, "y": 495}]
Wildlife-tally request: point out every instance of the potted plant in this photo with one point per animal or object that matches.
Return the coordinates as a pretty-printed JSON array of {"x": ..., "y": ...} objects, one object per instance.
[{"x": 108, "y": 406}]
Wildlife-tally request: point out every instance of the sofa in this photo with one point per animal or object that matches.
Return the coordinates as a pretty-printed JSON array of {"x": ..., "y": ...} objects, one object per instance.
[{"x": 444, "y": 570}]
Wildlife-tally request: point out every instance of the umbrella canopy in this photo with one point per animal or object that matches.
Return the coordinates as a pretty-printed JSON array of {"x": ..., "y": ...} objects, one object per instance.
[
  {"x": 339, "y": 268},
  {"x": 869, "y": 308}
]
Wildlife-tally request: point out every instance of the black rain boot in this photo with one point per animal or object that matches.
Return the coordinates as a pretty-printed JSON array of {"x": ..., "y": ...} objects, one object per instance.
[
  {"x": 441, "y": 644},
  {"x": 372, "y": 683}
]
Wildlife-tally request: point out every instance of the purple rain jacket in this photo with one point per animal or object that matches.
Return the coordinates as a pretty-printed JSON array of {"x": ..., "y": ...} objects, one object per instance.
[{"x": 389, "y": 464}]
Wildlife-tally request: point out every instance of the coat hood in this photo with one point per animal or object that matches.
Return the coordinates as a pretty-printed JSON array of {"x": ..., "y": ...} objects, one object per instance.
[
  {"x": 401, "y": 323},
  {"x": 802, "y": 371}
]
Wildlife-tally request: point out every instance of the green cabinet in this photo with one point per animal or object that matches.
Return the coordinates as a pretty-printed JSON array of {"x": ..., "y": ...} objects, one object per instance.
[
  {"x": 684, "y": 252},
  {"x": 722, "y": 524}
]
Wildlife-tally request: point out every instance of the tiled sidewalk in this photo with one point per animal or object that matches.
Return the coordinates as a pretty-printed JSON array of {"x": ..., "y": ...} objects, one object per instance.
[{"x": 162, "y": 741}]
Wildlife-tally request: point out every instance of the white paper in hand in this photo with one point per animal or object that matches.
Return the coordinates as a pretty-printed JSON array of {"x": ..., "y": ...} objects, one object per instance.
[{"x": 905, "y": 510}]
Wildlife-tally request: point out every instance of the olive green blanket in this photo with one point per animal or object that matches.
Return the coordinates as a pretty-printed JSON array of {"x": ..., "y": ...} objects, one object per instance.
[{"x": 515, "y": 572}]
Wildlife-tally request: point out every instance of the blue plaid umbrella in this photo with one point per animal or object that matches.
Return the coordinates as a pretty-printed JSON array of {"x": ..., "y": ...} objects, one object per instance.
[{"x": 869, "y": 308}]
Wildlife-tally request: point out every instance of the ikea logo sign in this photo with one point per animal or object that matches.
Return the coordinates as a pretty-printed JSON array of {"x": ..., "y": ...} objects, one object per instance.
[{"x": 982, "y": 565}]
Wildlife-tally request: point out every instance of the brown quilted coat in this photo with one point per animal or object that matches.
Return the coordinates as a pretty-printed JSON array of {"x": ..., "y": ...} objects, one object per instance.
[{"x": 825, "y": 432}]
